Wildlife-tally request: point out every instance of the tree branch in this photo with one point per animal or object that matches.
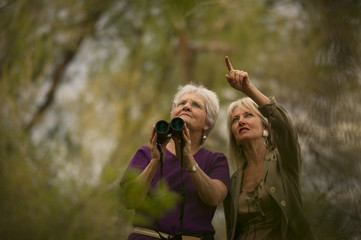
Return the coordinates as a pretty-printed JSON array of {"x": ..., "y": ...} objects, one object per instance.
[{"x": 59, "y": 71}]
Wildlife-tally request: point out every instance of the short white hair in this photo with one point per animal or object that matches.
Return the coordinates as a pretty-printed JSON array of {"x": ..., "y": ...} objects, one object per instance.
[{"x": 210, "y": 98}]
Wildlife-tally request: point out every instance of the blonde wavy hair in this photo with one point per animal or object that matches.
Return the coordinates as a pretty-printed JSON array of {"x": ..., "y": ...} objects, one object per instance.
[{"x": 236, "y": 155}]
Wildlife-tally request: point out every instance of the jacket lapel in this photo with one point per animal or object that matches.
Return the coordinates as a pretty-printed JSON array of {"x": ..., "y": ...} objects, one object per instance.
[{"x": 235, "y": 191}]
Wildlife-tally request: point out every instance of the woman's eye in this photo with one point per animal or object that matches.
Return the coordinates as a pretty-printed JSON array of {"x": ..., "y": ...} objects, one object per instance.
[
  {"x": 235, "y": 119},
  {"x": 194, "y": 104},
  {"x": 181, "y": 103},
  {"x": 249, "y": 115}
]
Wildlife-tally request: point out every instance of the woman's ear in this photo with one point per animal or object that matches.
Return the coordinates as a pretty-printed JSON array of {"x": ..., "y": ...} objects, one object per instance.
[{"x": 206, "y": 127}]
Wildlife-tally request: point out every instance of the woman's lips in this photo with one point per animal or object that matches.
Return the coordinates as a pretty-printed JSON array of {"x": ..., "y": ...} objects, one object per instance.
[
  {"x": 242, "y": 129},
  {"x": 184, "y": 114}
]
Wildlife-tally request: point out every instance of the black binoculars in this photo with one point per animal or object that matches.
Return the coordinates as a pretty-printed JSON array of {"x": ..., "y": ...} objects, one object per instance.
[{"x": 174, "y": 127}]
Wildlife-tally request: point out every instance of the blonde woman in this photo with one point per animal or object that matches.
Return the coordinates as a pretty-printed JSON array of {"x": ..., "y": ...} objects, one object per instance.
[{"x": 264, "y": 200}]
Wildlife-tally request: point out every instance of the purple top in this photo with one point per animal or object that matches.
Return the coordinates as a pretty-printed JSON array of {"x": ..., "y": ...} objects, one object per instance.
[{"x": 197, "y": 215}]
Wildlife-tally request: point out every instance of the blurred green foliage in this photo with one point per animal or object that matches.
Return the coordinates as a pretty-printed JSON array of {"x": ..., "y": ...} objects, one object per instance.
[
  {"x": 159, "y": 200},
  {"x": 82, "y": 83}
]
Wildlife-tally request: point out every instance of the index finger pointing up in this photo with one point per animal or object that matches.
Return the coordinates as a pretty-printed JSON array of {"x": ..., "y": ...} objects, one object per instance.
[{"x": 228, "y": 63}]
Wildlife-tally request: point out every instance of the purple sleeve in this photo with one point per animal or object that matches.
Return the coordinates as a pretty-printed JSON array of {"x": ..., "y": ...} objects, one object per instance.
[
  {"x": 139, "y": 162},
  {"x": 141, "y": 158},
  {"x": 217, "y": 167}
]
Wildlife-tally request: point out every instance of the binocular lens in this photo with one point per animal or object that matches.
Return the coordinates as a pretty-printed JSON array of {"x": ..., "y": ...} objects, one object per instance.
[
  {"x": 176, "y": 127},
  {"x": 177, "y": 124},
  {"x": 162, "y": 130},
  {"x": 162, "y": 127}
]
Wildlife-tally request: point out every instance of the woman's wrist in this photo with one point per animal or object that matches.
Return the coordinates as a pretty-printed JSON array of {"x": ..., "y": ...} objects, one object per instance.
[
  {"x": 190, "y": 162},
  {"x": 250, "y": 90}
]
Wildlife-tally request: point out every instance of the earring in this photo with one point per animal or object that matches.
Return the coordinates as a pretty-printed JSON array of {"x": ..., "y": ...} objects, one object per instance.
[
  {"x": 204, "y": 138},
  {"x": 265, "y": 133}
]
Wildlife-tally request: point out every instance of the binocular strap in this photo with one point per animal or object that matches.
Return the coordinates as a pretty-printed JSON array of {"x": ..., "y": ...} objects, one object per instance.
[
  {"x": 161, "y": 162},
  {"x": 182, "y": 189},
  {"x": 182, "y": 186}
]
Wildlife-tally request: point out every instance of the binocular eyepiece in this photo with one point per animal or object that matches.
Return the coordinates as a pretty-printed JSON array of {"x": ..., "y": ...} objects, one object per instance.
[{"x": 174, "y": 127}]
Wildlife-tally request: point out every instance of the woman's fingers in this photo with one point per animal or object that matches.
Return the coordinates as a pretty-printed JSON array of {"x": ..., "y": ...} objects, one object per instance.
[
  {"x": 152, "y": 135},
  {"x": 234, "y": 74},
  {"x": 239, "y": 76},
  {"x": 186, "y": 130},
  {"x": 228, "y": 63},
  {"x": 236, "y": 78}
]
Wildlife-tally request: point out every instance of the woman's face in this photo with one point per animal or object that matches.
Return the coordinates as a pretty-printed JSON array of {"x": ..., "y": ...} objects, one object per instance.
[
  {"x": 246, "y": 125},
  {"x": 191, "y": 108}
]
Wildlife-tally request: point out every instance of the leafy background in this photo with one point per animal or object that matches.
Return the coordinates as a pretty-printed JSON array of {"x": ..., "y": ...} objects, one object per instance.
[{"x": 82, "y": 82}]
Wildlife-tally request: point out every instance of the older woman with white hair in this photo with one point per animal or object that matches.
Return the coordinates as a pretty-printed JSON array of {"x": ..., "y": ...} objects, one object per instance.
[
  {"x": 200, "y": 176},
  {"x": 265, "y": 200}
]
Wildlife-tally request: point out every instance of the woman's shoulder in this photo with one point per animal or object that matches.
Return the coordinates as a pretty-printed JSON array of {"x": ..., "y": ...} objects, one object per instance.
[
  {"x": 204, "y": 152},
  {"x": 142, "y": 150},
  {"x": 205, "y": 157}
]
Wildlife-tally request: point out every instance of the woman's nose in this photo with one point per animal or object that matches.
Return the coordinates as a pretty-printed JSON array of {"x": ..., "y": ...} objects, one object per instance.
[
  {"x": 241, "y": 122},
  {"x": 187, "y": 107}
]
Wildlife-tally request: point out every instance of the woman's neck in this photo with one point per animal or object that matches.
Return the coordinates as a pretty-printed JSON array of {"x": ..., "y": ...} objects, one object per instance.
[{"x": 254, "y": 152}]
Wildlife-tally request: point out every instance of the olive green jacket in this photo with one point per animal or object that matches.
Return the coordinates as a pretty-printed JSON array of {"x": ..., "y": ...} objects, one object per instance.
[{"x": 282, "y": 170}]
